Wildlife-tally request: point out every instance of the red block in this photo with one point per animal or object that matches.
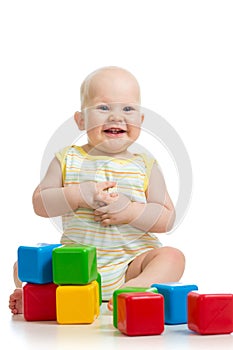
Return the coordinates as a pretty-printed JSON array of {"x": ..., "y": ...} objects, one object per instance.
[
  {"x": 210, "y": 313},
  {"x": 140, "y": 313},
  {"x": 39, "y": 302}
]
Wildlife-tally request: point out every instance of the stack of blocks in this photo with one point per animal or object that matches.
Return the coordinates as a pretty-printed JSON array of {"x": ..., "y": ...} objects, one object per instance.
[
  {"x": 62, "y": 283},
  {"x": 75, "y": 270},
  {"x": 141, "y": 312}
]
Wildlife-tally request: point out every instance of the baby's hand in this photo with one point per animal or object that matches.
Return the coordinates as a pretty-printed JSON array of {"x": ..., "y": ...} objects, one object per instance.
[
  {"x": 95, "y": 194},
  {"x": 119, "y": 212}
]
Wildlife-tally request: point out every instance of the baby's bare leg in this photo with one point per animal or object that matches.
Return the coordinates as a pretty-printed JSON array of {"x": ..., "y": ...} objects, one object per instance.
[
  {"x": 161, "y": 265},
  {"x": 16, "y": 298}
]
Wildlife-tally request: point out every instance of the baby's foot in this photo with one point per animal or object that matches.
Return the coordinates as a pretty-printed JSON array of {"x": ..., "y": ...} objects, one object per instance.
[
  {"x": 110, "y": 306},
  {"x": 15, "y": 301}
]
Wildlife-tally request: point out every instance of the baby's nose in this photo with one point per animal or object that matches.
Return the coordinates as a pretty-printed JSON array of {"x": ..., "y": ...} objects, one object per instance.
[{"x": 116, "y": 117}]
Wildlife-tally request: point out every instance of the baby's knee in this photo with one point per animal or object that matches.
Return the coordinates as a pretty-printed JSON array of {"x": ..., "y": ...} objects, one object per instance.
[{"x": 174, "y": 255}]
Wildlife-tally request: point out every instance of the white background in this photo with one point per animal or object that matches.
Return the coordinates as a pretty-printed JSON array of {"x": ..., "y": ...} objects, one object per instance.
[{"x": 180, "y": 52}]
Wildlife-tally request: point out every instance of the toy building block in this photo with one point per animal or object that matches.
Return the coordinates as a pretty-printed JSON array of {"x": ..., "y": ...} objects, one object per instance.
[
  {"x": 39, "y": 302},
  {"x": 99, "y": 280},
  {"x": 140, "y": 313},
  {"x": 210, "y": 313},
  {"x": 175, "y": 297},
  {"x": 126, "y": 290},
  {"x": 35, "y": 263},
  {"x": 77, "y": 304},
  {"x": 74, "y": 264}
]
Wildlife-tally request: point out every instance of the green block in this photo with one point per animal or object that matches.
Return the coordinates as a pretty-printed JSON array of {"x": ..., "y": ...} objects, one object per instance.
[
  {"x": 74, "y": 264},
  {"x": 127, "y": 290},
  {"x": 100, "y": 286}
]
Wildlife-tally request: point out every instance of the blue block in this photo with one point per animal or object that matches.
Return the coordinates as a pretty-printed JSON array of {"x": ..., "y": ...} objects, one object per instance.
[
  {"x": 175, "y": 298},
  {"x": 35, "y": 263}
]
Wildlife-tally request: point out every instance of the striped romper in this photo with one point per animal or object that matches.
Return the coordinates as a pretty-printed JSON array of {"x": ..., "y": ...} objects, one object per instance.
[{"x": 116, "y": 245}]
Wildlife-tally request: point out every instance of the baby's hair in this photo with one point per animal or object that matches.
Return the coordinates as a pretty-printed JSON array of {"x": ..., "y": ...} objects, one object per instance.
[{"x": 84, "y": 89}]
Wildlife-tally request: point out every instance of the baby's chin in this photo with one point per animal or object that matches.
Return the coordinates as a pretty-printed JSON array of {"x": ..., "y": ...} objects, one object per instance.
[{"x": 111, "y": 147}]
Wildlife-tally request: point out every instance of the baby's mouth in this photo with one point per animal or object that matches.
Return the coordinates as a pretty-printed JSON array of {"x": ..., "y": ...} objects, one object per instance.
[{"x": 114, "y": 131}]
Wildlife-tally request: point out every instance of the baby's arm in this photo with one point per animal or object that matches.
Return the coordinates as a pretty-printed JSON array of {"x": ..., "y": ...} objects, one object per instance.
[
  {"x": 51, "y": 199},
  {"x": 157, "y": 215}
]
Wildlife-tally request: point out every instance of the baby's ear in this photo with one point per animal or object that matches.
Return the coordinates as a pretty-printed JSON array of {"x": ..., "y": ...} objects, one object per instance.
[{"x": 79, "y": 119}]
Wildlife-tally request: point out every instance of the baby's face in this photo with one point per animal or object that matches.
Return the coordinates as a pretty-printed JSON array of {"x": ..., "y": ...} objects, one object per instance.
[{"x": 112, "y": 112}]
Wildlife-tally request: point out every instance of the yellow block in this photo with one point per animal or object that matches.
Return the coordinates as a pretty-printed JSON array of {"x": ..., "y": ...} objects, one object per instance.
[{"x": 77, "y": 303}]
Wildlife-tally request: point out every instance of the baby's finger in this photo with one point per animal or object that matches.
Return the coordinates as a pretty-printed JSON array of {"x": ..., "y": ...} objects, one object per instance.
[
  {"x": 106, "y": 222},
  {"x": 114, "y": 195},
  {"x": 100, "y": 211},
  {"x": 105, "y": 197},
  {"x": 101, "y": 217},
  {"x": 105, "y": 185},
  {"x": 100, "y": 204}
]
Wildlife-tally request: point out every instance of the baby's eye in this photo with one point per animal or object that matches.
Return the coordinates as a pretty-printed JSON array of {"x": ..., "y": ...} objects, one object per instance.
[
  {"x": 128, "y": 109},
  {"x": 103, "y": 107}
]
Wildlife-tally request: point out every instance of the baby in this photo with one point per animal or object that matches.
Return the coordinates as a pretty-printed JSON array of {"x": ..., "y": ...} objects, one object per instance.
[{"x": 107, "y": 196}]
